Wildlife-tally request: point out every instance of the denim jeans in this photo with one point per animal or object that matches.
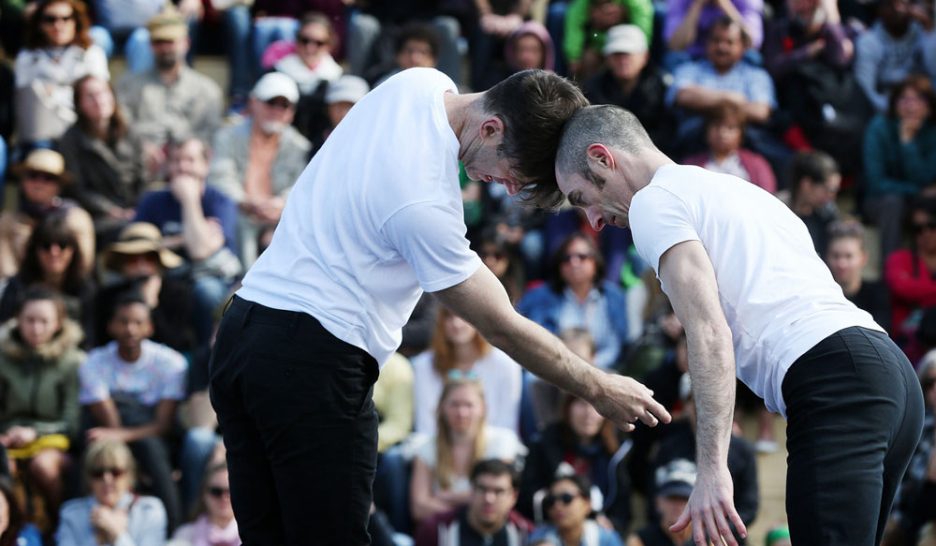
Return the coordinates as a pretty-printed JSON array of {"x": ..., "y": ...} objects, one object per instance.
[
  {"x": 267, "y": 30},
  {"x": 197, "y": 447},
  {"x": 237, "y": 34}
]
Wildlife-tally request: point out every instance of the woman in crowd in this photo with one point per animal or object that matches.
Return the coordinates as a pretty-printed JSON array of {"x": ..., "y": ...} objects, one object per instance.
[
  {"x": 112, "y": 513},
  {"x": 53, "y": 260},
  {"x": 443, "y": 461},
  {"x": 504, "y": 262},
  {"x": 458, "y": 350},
  {"x": 58, "y": 51},
  {"x": 312, "y": 62},
  {"x": 14, "y": 531},
  {"x": 214, "y": 523},
  {"x": 105, "y": 163},
  {"x": 576, "y": 297},
  {"x": 529, "y": 47},
  {"x": 568, "y": 507},
  {"x": 39, "y": 360}
]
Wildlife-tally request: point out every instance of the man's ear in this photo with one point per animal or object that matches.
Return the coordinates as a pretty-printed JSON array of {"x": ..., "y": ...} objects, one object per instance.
[
  {"x": 600, "y": 156},
  {"x": 491, "y": 127}
]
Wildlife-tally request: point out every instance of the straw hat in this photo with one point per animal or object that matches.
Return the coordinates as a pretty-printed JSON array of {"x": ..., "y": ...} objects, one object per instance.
[
  {"x": 44, "y": 161},
  {"x": 140, "y": 238}
]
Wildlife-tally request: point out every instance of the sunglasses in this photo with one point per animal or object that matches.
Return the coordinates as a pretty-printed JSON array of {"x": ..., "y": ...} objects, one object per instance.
[
  {"x": 218, "y": 492},
  {"x": 927, "y": 226},
  {"x": 305, "y": 40},
  {"x": 99, "y": 473},
  {"x": 565, "y": 498},
  {"x": 40, "y": 176},
  {"x": 52, "y": 19},
  {"x": 929, "y": 383},
  {"x": 47, "y": 245},
  {"x": 580, "y": 256}
]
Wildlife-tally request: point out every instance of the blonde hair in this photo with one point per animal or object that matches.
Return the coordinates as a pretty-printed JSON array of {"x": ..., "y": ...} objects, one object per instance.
[
  {"x": 111, "y": 453},
  {"x": 443, "y": 351},
  {"x": 445, "y": 471}
]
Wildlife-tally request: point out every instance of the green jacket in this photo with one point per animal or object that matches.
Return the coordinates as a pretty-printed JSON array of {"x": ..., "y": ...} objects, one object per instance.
[
  {"x": 39, "y": 387},
  {"x": 578, "y": 35}
]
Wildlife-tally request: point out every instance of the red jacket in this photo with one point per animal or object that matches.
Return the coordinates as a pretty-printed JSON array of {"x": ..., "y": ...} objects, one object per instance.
[{"x": 910, "y": 290}]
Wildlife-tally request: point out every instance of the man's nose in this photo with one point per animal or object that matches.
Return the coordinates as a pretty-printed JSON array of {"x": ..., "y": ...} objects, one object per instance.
[{"x": 595, "y": 219}]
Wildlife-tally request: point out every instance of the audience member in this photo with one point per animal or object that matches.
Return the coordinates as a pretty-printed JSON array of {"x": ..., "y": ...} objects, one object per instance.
[
  {"x": 459, "y": 351},
  {"x": 502, "y": 259},
  {"x": 214, "y": 523},
  {"x": 724, "y": 136},
  {"x": 529, "y": 47},
  {"x": 443, "y": 461},
  {"x": 170, "y": 101},
  {"x": 39, "y": 360},
  {"x": 258, "y": 159},
  {"x": 815, "y": 182},
  {"x": 631, "y": 81},
  {"x": 14, "y": 529},
  {"x": 488, "y": 34},
  {"x": 417, "y": 45},
  {"x": 674, "y": 483},
  {"x": 58, "y": 52},
  {"x": 104, "y": 160},
  {"x": 121, "y": 26},
  {"x": 688, "y": 22},
  {"x": 237, "y": 23},
  {"x": 847, "y": 258},
  {"x": 131, "y": 388},
  {"x": 112, "y": 513},
  {"x": 393, "y": 399},
  {"x": 547, "y": 399},
  {"x": 199, "y": 223},
  {"x": 577, "y": 296},
  {"x": 885, "y": 53},
  {"x": 568, "y": 507},
  {"x": 312, "y": 62},
  {"x": 587, "y": 23},
  {"x": 341, "y": 96},
  {"x": 488, "y": 519},
  {"x": 900, "y": 156},
  {"x": 278, "y": 20}
]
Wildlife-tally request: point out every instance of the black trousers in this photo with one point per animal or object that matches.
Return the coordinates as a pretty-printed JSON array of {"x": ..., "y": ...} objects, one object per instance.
[
  {"x": 854, "y": 417},
  {"x": 295, "y": 409}
]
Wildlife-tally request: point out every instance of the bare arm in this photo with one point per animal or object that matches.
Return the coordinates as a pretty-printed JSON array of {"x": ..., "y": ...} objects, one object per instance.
[
  {"x": 699, "y": 98},
  {"x": 685, "y": 34},
  {"x": 482, "y": 301},
  {"x": 423, "y": 503},
  {"x": 687, "y": 273},
  {"x": 202, "y": 237},
  {"x": 105, "y": 413}
]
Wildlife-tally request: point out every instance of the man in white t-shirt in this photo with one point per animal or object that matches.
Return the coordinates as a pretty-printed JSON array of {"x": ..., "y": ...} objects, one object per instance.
[
  {"x": 373, "y": 221},
  {"x": 741, "y": 272}
]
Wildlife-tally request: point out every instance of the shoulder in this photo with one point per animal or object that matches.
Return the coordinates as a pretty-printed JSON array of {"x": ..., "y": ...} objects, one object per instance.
[
  {"x": 422, "y": 363},
  {"x": 148, "y": 506},
  {"x": 539, "y": 295},
  {"x": 76, "y": 508},
  {"x": 202, "y": 83},
  {"x": 216, "y": 197},
  {"x": 168, "y": 359}
]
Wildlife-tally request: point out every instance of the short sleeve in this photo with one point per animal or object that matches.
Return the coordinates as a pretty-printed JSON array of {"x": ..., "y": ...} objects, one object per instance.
[
  {"x": 93, "y": 383},
  {"x": 659, "y": 220},
  {"x": 684, "y": 76},
  {"x": 761, "y": 87},
  {"x": 431, "y": 238},
  {"x": 173, "y": 384}
]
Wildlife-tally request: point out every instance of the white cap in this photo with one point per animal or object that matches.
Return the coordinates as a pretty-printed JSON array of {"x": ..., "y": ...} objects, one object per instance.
[
  {"x": 625, "y": 39},
  {"x": 276, "y": 84},
  {"x": 346, "y": 89}
]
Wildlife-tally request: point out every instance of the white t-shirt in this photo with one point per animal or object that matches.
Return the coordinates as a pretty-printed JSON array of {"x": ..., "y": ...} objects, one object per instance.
[
  {"x": 159, "y": 374},
  {"x": 500, "y": 378},
  {"x": 777, "y": 294},
  {"x": 375, "y": 219},
  {"x": 499, "y": 443}
]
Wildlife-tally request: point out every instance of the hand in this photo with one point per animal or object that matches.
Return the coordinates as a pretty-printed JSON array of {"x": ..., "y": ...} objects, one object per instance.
[
  {"x": 21, "y": 436},
  {"x": 154, "y": 158},
  {"x": 625, "y": 401},
  {"x": 110, "y": 522},
  {"x": 710, "y": 508},
  {"x": 191, "y": 9},
  {"x": 186, "y": 189},
  {"x": 105, "y": 433},
  {"x": 830, "y": 8},
  {"x": 909, "y": 127}
]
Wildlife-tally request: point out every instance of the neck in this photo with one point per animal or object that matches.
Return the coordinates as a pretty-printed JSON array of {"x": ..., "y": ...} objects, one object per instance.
[
  {"x": 802, "y": 208},
  {"x": 171, "y": 75},
  {"x": 54, "y": 280},
  {"x": 581, "y": 290},
  {"x": 852, "y": 286},
  {"x": 466, "y": 354},
  {"x": 721, "y": 155},
  {"x": 628, "y": 85},
  {"x": 100, "y": 127},
  {"x": 483, "y": 528},
  {"x": 458, "y": 109},
  {"x": 220, "y": 521},
  {"x": 572, "y": 536},
  {"x": 640, "y": 168},
  {"x": 130, "y": 354}
]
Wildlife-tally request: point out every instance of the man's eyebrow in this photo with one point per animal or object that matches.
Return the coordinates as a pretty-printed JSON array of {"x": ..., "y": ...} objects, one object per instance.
[{"x": 575, "y": 199}]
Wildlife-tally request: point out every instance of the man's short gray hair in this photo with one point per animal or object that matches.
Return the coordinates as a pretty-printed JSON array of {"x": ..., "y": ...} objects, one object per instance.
[{"x": 605, "y": 124}]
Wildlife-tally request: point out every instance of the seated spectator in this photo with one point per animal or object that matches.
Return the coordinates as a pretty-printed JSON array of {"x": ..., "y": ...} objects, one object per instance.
[
  {"x": 417, "y": 45},
  {"x": 589, "y": 443},
  {"x": 568, "y": 507},
  {"x": 577, "y": 297},
  {"x": 39, "y": 360},
  {"x": 113, "y": 513},
  {"x": 258, "y": 159},
  {"x": 42, "y": 179},
  {"x": 724, "y": 136},
  {"x": 138, "y": 262},
  {"x": 393, "y": 399},
  {"x": 14, "y": 529},
  {"x": 847, "y": 258},
  {"x": 587, "y": 23},
  {"x": 104, "y": 161},
  {"x": 131, "y": 388},
  {"x": 674, "y": 484},
  {"x": 909, "y": 274},
  {"x": 214, "y": 523},
  {"x": 529, "y": 47},
  {"x": 275, "y": 20},
  {"x": 443, "y": 461},
  {"x": 721, "y": 76},
  {"x": 120, "y": 27},
  {"x": 312, "y": 62},
  {"x": 548, "y": 399},
  {"x": 459, "y": 350},
  {"x": 170, "y": 101},
  {"x": 494, "y": 23},
  {"x": 688, "y": 22},
  {"x": 631, "y": 81},
  {"x": 885, "y": 53},
  {"x": 58, "y": 52},
  {"x": 815, "y": 184},
  {"x": 53, "y": 261},
  {"x": 341, "y": 95},
  {"x": 199, "y": 223},
  {"x": 503, "y": 261},
  {"x": 488, "y": 518},
  {"x": 900, "y": 156}
]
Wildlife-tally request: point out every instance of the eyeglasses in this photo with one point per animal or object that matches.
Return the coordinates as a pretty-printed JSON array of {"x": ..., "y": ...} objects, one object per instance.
[
  {"x": 921, "y": 227},
  {"x": 47, "y": 245},
  {"x": 99, "y": 473},
  {"x": 306, "y": 40},
  {"x": 580, "y": 256},
  {"x": 52, "y": 19},
  {"x": 279, "y": 102},
  {"x": 218, "y": 492},
  {"x": 40, "y": 176},
  {"x": 458, "y": 375},
  {"x": 565, "y": 498}
]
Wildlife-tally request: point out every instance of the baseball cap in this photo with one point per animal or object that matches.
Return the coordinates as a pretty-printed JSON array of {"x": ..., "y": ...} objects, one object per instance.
[
  {"x": 276, "y": 84},
  {"x": 347, "y": 88},
  {"x": 625, "y": 39},
  {"x": 169, "y": 24},
  {"x": 676, "y": 478}
]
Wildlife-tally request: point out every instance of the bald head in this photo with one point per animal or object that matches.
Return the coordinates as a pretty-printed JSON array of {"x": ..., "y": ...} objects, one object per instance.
[{"x": 610, "y": 125}]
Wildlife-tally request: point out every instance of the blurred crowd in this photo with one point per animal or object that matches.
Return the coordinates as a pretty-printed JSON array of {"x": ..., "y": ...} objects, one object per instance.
[{"x": 132, "y": 205}]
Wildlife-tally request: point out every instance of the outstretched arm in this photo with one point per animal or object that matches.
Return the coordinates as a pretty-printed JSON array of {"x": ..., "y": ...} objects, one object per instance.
[
  {"x": 481, "y": 300},
  {"x": 689, "y": 279}
]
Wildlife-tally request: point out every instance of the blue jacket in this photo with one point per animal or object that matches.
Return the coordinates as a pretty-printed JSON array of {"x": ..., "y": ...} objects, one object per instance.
[{"x": 542, "y": 305}]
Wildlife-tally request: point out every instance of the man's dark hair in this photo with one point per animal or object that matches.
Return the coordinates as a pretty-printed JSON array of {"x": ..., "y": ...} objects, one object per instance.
[
  {"x": 495, "y": 467},
  {"x": 605, "y": 124},
  {"x": 127, "y": 298},
  {"x": 418, "y": 32},
  {"x": 534, "y": 106},
  {"x": 816, "y": 166},
  {"x": 726, "y": 22}
]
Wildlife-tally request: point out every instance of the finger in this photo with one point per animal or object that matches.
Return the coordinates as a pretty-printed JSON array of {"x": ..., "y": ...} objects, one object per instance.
[
  {"x": 659, "y": 411},
  {"x": 648, "y": 419},
  {"x": 727, "y": 537},
  {"x": 682, "y": 522},
  {"x": 627, "y": 427},
  {"x": 698, "y": 529},
  {"x": 735, "y": 518},
  {"x": 712, "y": 532}
]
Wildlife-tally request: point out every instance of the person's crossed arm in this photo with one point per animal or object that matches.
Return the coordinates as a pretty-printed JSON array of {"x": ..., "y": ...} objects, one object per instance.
[{"x": 689, "y": 279}]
